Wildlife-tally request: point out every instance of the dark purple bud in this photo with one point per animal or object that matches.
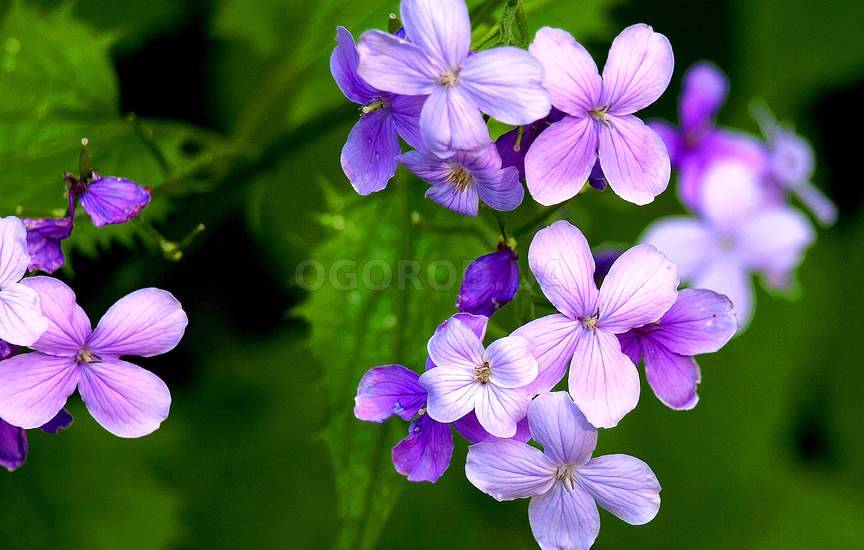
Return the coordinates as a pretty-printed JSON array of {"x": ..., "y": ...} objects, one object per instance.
[
  {"x": 60, "y": 422},
  {"x": 44, "y": 242},
  {"x": 13, "y": 446},
  {"x": 603, "y": 260},
  {"x": 514, "y": 145},
  {"x": 597, "y": 179},
  {"x": 490, "y": 282}
]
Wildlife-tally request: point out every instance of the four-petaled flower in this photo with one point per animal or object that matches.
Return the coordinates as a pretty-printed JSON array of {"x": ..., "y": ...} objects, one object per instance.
[
  {"x": 564, "y": 482},
  {"x": 640, "y": 287},
  {"x": 491, "y": 382},
  {"x": 740, "y": 232},
  {"x": 125, "y": 399},
  {"x": 701, "y": 321},
  {"x": 109, "y": 199},
  {"x": 369, "y": 154},
  {"x": 600, "y": 123},
  {"x": 461, "y": 181},
  {"x": 433, "y": 61}
]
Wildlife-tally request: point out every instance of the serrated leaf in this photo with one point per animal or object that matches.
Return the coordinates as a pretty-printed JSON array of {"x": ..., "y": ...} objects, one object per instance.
[{"x": 388, "y": 283}]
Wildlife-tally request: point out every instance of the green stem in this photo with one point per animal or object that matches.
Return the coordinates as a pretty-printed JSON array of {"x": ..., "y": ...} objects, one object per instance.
[{"x": 146, "y": 136}]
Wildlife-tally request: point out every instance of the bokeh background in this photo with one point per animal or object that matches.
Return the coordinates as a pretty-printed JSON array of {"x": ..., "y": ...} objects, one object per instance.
[{"x": 239, "y": 128}]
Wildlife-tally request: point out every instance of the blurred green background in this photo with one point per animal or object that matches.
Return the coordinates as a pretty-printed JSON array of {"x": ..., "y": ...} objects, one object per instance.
[{"x": 239, "y": 128}]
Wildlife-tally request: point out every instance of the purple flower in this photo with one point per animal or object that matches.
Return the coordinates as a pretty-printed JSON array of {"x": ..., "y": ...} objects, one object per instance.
[
  {"x": 21, "y": 319},
  {"x": 109, "y": 199},
  {"x": 125, "y": 399},
  {"x": 514, "y": 145},
  {"x": 791, "y": 164},
  {"x": 565, "y": 484},
  {"x": 699, "y": 143},
  {"x": 600, "y": 121},
  {"x": 425, "y": 453},
  {"x": 701, "y": 321},
  {"x": 639, "y": 288},
  {"x": 461, "y": 181},
  {"x": 369, "y": 154},
  {"x": 739, "y": 233},
  {"x": 490, "y": 282},
  {"x": 44, "y": 242},
  {"x": 13, "y": 440},
  {"x": 505, "y": 83}
]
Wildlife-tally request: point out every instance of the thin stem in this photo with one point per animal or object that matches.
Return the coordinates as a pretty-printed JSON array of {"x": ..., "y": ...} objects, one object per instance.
[{"x": 146, "y": 135}]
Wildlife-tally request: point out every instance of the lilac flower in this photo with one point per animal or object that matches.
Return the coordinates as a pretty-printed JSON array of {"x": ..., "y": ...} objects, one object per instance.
[
  {"x": 701, "y": 321},
  {"x": 125, "y": 399},
  {"x": 13, "y": 440},
  {"x": 739, "y": 233},
  {"x": 44, "y": 242},
  {"x": 461, "y": 181},
  {"x": 369, "y": 155},
  {"x": 490, "y": 282},
  {"x": 108, "y": 199},
  {"x": 21, "y": 319},
  {"x": 425, "y": 453},
  {"x": 565, "y": 484},
  {"x": 491, "y": 382},
  {"x": 505, "y": 83},
  {"x": 699, "y": 143},
  {"x": 600, "y": 121},
  {"x": 640, "y": 287},
  {"x": 791, "y": 164}
]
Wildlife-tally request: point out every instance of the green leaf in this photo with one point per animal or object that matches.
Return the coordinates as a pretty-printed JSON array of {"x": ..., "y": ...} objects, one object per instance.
[
  {"x": 58, "y": 86},
  {"x": 385, "y": 284}
]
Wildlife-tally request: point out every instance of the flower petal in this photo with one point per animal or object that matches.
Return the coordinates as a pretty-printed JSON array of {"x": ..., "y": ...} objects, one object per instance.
[
  {"x": 14, "y": 257},
  {"x": 450, "y": 122},
  {"x": 701, "y": 321},
  {"x": 553, "y": 339},
  {"x": 21, "y": 319},
  {"x": 477, "y": 324},
  {"x": 394, "y": 65},
  {"x": 425, "y": 454},
  {"x": 603, "y": 381},
  {"x": 441, "y": 27},
  {"x": 623, "y": 485},
  {"x": 558, "y": 424},
  {"x": 499, "y": 410},
  {"x": 369, "y": 155},
  {"x": 507, "y": 84},
  {"x": 490, "y": 282},
  {"x": 60, "y": 422},
  {"x": 111, "y": 200},
  {"x": 685, "y": 241},
  {"x": 406, "y": 110},
  {"x": 388, "y": 390},
  {"x": 146, "y": 322},
  {"x": 500, "y": 189},
  {"x": 466, "y": 202},
  {"x": 673, "y": 377},
  {"x": 450, "y": 392},
  {"x": 774, "y": 240},
  {"x": 571, "y": 76},
  {"x": 725, "y": 275},
  {"x": 125, "y": 399},
  {"x": 640, "y": 287},
  {"x": 456, "y": 345},
  {"x": 469, "y": 427},
  {"x": 68, "y": 325},
  {"x": 511, "y": 363},
  {"x": 634, "y": 159},
  {"x": 564, "y": 517},
  {"x": 13, "y": 446},
  {"x": 34, "y": 387},
  {"x": 560, "y": 160},
  {"x": 637, "y": 71},
  {"x": 507, "y": 469},
  {"x": 704, "y": 92},
  {"x": 561, "y": 260},
  {"x": 731, "y": 194},
  {"x": 343, "y": 67},
  {"x": 45, "y": 242}
]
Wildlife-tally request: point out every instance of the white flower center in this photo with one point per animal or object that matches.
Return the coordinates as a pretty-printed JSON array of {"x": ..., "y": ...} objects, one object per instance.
[
  {"x": 449, "y": 78},
  {"x": 566, "y": 474},
  {"x": 482, "y": 372}
]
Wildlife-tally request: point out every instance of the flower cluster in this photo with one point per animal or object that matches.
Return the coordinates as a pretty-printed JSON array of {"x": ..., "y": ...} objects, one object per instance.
[
  {"x": 613, "y": 310},
  {"x": 41, "y": 313}
]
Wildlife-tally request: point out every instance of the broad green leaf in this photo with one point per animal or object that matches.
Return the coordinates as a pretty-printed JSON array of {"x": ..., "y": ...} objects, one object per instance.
[{"x": 380, "y": 285}]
